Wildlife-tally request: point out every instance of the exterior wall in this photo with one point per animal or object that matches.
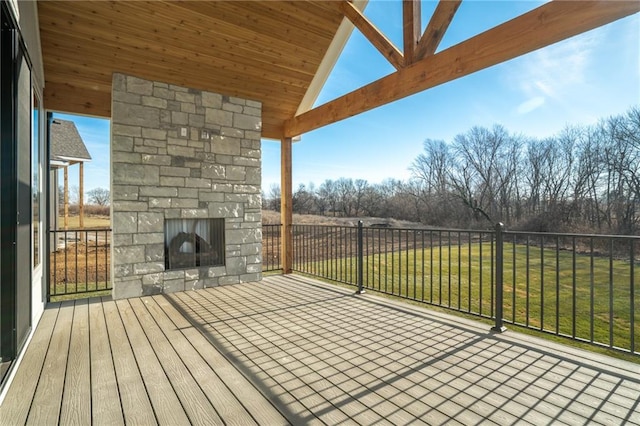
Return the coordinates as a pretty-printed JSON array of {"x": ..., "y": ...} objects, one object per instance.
[
  {"x": 22, "y": 292},
  {"x": 30, "y": 30},
  {"x": 182, "y": 153}
]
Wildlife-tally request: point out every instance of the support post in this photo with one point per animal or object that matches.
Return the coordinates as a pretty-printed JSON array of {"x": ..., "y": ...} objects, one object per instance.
[
  {"x": 66, "y": 197},
  {"x": 81, "y": 196},
  {"x": 411, "y": 29},
  {"x": 360, "y": 260},
  {"x": 499, "y": 326},
  {"x": 286, "y": 205}
]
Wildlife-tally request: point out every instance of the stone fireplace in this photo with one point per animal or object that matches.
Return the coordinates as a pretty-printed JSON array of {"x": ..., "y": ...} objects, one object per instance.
[{"x": 185, "y": 188}]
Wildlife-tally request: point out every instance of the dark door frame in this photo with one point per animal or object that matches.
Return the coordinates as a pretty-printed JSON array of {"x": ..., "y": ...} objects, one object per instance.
[{"x": 12, "y": 54}]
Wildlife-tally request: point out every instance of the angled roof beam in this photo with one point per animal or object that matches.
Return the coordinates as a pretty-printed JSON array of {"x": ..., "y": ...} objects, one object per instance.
[
  {"x": 433, "y": 34},
  {"x": 543, "y": 26},
  {"x": 328, "y": 62},
  {"x": 410, "y": 29},
  {"x": 373, "y": 34}
]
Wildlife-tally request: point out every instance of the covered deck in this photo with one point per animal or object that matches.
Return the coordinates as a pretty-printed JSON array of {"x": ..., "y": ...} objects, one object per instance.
[{"x": 294, "y": 350}]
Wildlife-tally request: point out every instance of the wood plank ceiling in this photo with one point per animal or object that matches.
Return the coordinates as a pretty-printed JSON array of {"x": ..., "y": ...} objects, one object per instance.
[
  {"x": 271, "y": 50},
  {"x": 267, "y": 51}
]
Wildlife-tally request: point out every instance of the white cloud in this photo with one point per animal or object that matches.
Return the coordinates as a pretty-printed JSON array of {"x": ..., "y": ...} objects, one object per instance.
[
  {"x": 530, "y": 105},
  {"x": 557, "y": 70}
]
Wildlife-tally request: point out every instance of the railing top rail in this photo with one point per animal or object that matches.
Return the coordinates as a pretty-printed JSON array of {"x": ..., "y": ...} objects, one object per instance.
[
  {"x": 571, "y": 235},
  {"x": 80, "y": 230},
  {"x": 309, "y": 225},
  {"x": 474, "y": 231},
  {"x": 466, "y": 231}
]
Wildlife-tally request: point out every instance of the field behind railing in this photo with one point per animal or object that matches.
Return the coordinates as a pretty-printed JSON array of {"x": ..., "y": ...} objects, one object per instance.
[
  {"x": 79, "y": 264},
  {"x": 588, "y": 295}
]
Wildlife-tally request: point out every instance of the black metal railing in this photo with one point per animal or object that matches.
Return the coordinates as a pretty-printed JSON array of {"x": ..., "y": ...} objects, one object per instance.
[
  {"x": 574, "y": 285},
  {"x": 80, "y": 262},
  {"x": 271, "y": 243},
  {"x": 583, "y": 287}
]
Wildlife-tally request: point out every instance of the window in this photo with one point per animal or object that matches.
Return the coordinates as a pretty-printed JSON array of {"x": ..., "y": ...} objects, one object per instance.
[{"x": 36, "y": 183}]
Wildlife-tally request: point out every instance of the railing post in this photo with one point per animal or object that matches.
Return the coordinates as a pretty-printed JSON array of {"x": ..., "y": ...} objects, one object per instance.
[
  {"x": 360, "y": 259},
  {"x": 499, "y": 327}
]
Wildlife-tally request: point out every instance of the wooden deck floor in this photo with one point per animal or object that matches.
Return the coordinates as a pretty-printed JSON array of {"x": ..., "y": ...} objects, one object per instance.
[{"x": 292, "y": 350}]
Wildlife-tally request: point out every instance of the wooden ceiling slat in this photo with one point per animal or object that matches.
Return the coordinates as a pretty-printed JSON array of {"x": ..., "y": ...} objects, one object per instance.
[
  {"x": 79, "y": 100},
  {"x": 69, "y": 73},
  {"x": 249, "y": 15},
  {"x": 128, "y": 57},
  {"x": 257, "y": 51},
  {"x": 164, "y": 14},
  {"x": 302, "y": 14},
  {"x": 128, "y": 28}
]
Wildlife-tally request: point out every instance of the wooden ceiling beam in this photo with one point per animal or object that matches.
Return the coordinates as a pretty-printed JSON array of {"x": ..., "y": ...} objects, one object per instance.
[
  {"x": 543, "y": 26},
  {"x": 70, "y": 98},
  {"x": 373, "y": 34},
  {"x": 438, "y": 24},
  {"x": 75, "y": 99},
  {"x": 411, "y": 26}
]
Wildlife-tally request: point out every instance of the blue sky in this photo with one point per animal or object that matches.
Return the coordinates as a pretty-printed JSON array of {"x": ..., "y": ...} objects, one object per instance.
[
  {"x": 95, "y": 134},
  {"x": 577, "y": 81}
]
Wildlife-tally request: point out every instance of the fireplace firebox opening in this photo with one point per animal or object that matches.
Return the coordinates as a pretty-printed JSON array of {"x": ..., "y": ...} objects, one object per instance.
[{"x": 192, "y": 243}]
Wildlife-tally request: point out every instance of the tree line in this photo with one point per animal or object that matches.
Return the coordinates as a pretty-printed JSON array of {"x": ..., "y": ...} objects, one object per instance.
[
  {"x": 96, "y": 196},
  {"x": 585, "y": 178}
]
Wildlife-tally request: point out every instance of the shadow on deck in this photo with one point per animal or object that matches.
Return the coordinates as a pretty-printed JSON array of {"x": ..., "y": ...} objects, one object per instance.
[{"x": 293, "y": 350}]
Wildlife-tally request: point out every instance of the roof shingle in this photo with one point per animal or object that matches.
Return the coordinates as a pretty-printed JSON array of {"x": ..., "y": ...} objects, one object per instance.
[{"x": 66, "y": 143}]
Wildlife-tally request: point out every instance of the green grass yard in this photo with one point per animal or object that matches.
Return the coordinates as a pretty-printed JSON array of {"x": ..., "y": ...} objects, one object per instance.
[{"x": 460, "y": 277}]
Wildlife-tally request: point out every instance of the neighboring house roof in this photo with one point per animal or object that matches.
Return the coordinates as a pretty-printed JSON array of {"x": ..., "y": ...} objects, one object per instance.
[{"x": 67, "y": 146}]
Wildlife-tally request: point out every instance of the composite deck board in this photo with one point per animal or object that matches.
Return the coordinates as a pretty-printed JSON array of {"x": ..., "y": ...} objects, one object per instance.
[
  {"x": 166, "y": 404},
  {"x": 196, "y": 405},
  {"x": 224, "y": 403},
  {"x": 291, "y": 409},
  {"x": 105, "y": 398},
  {"x": 16, "y": 405},
  {"x": 45, "y": 407},
  {"x": 76, "y": 397},
  {"x": 237, "y": 401},
  {"x": 136, "y": 406},
  {"x": 303, "y": 392},
  {"x": 293, "y": 350}
]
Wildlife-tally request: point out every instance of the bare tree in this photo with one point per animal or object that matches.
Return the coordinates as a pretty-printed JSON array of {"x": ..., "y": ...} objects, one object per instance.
[
  {"x": 328, "y": 196},
  {"x": 303, "y": 200},
  {"x": 274, "y": 197},
  {"x": 360, "y": 187},
  {"x": 481, "y": 176},
  {"x": 345, "y": 189},
  {"x": 432, "y": 167},
  {"x": 99, "y": 196},
  {"x": 74, "y": 194}
]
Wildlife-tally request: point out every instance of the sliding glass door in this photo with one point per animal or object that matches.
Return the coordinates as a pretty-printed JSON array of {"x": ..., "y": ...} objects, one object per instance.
[{"x": 16, "y": 186}]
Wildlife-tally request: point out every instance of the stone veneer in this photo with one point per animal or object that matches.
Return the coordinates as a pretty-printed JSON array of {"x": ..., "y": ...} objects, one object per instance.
[{"x": 182, "y": 153}]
